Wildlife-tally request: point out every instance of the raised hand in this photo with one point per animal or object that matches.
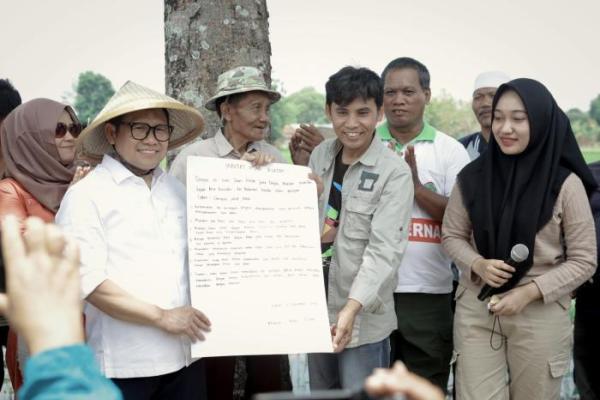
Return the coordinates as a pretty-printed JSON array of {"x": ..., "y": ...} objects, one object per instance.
[{"x": 42, "y": 284}]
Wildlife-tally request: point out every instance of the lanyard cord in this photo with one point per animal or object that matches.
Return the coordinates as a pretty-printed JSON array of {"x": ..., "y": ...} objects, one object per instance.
[{"x": 502, "y": 337}]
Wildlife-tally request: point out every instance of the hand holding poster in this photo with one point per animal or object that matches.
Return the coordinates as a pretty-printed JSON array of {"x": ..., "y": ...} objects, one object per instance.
[{"x": 254, "y": 256}]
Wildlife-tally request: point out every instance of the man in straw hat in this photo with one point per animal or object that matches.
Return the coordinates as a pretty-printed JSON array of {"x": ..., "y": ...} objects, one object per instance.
[
  {"x": 242, "y": 102},
  {"x": 129, "y": 219}
]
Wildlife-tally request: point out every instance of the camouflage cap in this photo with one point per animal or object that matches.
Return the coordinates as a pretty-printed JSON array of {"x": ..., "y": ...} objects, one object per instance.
[{"x": 240, "y": 80}]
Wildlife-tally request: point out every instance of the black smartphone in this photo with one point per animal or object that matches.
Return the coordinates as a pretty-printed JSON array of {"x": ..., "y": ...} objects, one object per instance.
[
  {"x": 314, "y": 395},
  {"x": 342, "y": 394}
]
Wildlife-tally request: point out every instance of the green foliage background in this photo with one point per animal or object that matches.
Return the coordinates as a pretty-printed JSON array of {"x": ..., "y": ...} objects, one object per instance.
[
  {"x": 92, "y": 91},
  {"x": 307, "y": 105},
  {"x": 304, "y": 106},
  {"x": 451, "y": 116}
]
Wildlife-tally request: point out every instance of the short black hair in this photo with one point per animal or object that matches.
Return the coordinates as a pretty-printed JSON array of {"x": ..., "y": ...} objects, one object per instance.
[
  {"x": 350, "y": 83},
  {"x": 9, "y": 98},
  {"x": 407, "y": 62}
]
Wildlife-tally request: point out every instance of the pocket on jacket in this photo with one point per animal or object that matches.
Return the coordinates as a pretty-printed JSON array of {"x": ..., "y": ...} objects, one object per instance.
[
  {"x": 357, "y": 223},
  {"x": 460, "y": 290}
]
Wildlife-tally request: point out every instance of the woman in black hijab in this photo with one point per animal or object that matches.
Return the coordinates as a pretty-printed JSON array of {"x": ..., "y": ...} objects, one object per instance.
[{"x": 531, "y": 187}]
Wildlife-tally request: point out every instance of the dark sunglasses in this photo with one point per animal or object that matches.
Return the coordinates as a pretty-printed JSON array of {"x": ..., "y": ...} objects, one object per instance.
[{"x": 62, "y": 129}]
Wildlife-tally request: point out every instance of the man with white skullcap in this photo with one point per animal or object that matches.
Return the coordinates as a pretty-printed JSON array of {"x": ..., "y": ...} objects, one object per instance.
[{"x": 483, "y": 94}]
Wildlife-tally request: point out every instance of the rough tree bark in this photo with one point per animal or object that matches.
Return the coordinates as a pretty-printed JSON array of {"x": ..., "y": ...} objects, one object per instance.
[{"x": 204, "y": 38}]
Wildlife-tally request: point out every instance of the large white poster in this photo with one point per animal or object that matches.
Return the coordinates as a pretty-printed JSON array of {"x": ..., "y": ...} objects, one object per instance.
[{"x": 254, "y": 256}]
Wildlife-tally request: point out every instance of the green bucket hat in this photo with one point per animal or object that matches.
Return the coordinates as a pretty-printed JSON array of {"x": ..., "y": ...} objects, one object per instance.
[{"x": 240, "y": 80}]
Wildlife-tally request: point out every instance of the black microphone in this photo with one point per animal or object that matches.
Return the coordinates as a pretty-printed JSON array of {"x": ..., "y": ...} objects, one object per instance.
[{"x": 518, "y": 254}]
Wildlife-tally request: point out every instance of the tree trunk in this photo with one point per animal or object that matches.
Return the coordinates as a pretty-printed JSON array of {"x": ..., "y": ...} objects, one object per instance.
[{"x": 204, "y": 38}]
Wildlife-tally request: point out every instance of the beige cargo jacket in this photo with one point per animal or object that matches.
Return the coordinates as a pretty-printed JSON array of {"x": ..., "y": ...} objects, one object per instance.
[{"x": 377, "y": 198}]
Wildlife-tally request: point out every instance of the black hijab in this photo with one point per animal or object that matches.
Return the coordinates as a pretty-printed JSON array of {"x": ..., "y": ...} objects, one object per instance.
[{"x": 509, "y": 198}]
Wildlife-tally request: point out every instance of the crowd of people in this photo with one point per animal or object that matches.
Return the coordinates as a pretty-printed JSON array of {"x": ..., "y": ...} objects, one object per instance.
[{"x": 417, "y": 235}]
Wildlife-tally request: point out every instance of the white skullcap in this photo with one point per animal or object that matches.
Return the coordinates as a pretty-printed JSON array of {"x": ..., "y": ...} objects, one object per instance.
[{"x": 490, "y": 79}]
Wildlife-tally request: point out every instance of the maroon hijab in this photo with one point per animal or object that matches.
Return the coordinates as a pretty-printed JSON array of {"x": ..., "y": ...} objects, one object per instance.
[{"x": 30, "y": 153}]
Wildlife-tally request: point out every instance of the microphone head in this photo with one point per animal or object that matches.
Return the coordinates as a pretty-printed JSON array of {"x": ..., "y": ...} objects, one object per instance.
[{"x": 519, "y": 252}]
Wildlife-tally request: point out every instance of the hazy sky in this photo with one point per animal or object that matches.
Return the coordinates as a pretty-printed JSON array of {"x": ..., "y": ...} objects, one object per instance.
[{"x": 46, "y": 44}]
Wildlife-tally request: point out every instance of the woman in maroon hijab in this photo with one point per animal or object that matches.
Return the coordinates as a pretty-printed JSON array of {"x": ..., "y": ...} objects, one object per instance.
[{"x": 38, "y": 147}]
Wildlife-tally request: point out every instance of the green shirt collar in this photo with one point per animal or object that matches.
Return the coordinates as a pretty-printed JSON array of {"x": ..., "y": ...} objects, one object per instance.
[{"x": 427, "y": 134}]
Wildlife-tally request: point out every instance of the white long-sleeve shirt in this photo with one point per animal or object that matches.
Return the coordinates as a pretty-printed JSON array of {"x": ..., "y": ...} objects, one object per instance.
[{"x": 135, "y": 236}]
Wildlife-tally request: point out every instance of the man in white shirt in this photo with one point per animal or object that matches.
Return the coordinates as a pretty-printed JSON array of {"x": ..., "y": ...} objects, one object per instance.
[
  {"x": 422, "y": 300},
  {"x": 129, "y": 219}
]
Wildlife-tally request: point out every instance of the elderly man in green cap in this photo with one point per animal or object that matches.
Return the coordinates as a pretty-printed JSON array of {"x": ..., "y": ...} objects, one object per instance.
[{"x": 242, "y": 102}]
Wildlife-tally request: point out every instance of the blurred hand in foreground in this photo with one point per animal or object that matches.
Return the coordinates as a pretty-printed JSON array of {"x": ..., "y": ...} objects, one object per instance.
[{"x": 42, "y": 284}]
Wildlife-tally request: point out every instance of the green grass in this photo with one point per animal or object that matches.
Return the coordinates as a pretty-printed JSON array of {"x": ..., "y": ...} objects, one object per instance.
[{"x": 591, "y": 154}]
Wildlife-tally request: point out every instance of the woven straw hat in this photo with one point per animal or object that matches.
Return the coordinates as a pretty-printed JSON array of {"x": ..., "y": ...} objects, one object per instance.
[
  {"x": 240, "y": 80},
  {"x": 188, "y": 122}
]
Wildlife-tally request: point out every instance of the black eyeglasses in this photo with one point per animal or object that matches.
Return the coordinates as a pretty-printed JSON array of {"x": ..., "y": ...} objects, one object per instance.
[
  {"x": 62, "y": 129},
  {"x": 141, "y": 130}
]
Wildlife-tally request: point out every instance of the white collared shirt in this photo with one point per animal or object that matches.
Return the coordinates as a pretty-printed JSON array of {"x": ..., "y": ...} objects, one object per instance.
[
  {"x": 135, "y": 236},
  {"x": 425, "y": 267}
]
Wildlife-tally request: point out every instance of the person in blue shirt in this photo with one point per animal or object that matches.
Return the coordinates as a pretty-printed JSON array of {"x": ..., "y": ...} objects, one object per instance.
[{"x": 45, "y": 263}]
